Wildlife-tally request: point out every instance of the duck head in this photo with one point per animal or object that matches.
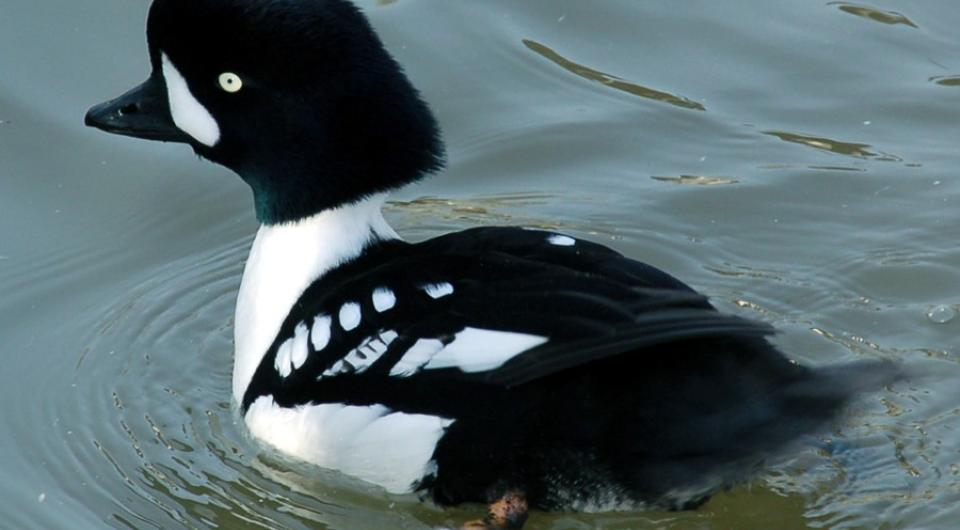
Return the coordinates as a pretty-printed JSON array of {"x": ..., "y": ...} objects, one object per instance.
[{"x": 298, "y": 97}]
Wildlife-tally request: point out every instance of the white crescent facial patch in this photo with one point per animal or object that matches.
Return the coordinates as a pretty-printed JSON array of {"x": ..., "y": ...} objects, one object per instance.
[{"x": 188, "y": 114}]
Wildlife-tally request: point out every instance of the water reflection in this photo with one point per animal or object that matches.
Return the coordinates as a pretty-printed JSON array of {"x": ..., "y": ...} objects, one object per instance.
[
  {"x": 857, "y": 150},
  {"x": 837, "y": 168},
  {"x": 877, "y": 15},
  {"x": 118, "y": 362},
  {"x": 508, "y": 209},
  {"x": 942, "y": 314},
  {"x": 610, "y": 80},
  {"x": 696, "y": 180},
  {"x": 947, "y": 80}
]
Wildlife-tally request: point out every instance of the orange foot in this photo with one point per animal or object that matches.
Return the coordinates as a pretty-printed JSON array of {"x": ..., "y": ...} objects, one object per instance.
[{"x": 507, "y": 513}]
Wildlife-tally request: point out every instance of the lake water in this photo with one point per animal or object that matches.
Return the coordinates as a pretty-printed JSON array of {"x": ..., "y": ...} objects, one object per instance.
[{"x": 797, "y": 161}]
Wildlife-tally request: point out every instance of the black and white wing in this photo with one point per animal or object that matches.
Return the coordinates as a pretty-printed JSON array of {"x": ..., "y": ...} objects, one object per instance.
[{"x": 485, "y": 308}]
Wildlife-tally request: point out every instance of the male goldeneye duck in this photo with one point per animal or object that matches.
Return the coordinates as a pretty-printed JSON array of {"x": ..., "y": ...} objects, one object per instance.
[{"x": 521, "y": 368}]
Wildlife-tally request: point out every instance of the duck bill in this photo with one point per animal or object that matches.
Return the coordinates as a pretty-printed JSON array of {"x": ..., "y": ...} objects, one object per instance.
[{"x": 143, "y": 112}]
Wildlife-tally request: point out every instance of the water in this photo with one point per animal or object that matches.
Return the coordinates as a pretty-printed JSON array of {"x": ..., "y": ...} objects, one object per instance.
[{"x": 797, "y": 161}]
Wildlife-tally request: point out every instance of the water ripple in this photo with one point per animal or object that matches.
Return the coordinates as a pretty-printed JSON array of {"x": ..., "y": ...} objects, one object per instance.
[
  {"x": 609, "y": 80},
  {"x": 946, "y": 80},
  {"x": 152, "y": 410},
  {"x": 857, "y": 150},
  {"x": 696, "y": 180},
  {"x": 874, "y": 14}
]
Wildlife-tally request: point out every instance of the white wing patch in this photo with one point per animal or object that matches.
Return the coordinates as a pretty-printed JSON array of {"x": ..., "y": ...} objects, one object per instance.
[
  {"x": 349, "y": 315},
  {"x": 438, "y": 290},
  {"x": 383, "y": 299},
  {"x": 188, "y": 114},
  {"x": 362, "y": 357},
  {"x": 561, "y": 240},
  {"x": 472, "y": 350},
  {"x": 373, "y": 443},
  {"x": 479, "y": 350}
]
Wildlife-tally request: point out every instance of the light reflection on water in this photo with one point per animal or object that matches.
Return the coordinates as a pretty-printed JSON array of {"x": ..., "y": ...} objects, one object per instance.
[{"x": 119, "y": 260}]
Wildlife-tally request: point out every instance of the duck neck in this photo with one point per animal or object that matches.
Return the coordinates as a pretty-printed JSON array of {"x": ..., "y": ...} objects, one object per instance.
[{"x": 284, "y": 260}]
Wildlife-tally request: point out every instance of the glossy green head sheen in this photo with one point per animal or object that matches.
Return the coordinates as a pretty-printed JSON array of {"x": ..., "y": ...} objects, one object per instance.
[{"x": 299, "y": 97}]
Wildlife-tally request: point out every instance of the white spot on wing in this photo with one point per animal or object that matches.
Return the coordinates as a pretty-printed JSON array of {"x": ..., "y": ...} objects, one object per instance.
[
  {"x": 373, "y": 443},
  {"x": 299, "y": 350},
  {"x": 561, "y": 240},
  {"x": 478, "y": 350},
  {"x": 349, "y": 315},
  {"x": 418, "y": 355},
  {"x": 383, "y": 299},
  {"x": 282, "y": 361},
  {"x": 438, "y": 290},
  {"x": 320, "y": 335},
  {"x": 188, "y": 114}
]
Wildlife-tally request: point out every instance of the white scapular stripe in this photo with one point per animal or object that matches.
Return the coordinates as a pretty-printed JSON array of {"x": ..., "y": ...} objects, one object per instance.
[
  {"x": 373, "y": 443},
  {"x": 438, "y": 290},
  {"x": 478, "y": 350},
  {"x": 380, "y": 344},
  {"x": 362, "y": 357},
  {"x": 188, "y": 114},
  {"x": 383, "y": 299}
]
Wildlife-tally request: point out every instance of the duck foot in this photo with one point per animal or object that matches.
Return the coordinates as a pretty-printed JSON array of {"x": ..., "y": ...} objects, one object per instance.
[{"x": 509, "y": 512}]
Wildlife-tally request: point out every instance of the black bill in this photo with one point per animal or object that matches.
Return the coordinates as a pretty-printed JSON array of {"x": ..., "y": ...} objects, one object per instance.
[{"x": 143, "y": 112}]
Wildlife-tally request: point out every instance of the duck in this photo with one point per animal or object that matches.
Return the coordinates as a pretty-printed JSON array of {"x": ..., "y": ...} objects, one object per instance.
[{"x": 519, "y": 368}]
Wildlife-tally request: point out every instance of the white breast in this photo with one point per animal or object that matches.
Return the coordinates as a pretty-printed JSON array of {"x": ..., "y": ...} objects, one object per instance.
[{"x": 284, "y": 260}]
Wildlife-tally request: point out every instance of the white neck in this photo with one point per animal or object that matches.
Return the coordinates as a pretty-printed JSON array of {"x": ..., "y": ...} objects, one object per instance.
[{"x": 284, "y": 260}]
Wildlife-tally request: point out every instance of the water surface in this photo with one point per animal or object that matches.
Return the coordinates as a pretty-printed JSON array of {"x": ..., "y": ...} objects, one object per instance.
[{"x": 797, "y": 161}]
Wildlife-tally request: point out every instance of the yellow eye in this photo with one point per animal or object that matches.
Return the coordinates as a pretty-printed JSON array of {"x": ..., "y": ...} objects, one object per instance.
[{"x": 230, "y": 82}]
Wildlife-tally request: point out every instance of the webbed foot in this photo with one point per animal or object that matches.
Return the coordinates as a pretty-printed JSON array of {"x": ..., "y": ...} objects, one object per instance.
[{"x": 509, "y": 512}]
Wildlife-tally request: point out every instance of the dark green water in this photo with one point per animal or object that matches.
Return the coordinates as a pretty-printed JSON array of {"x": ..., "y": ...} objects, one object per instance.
[{"x": 798, "y": 161}]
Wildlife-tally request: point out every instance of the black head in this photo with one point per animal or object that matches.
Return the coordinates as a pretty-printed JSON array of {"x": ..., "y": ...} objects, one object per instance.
[{"x": 298, "y": 97}]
